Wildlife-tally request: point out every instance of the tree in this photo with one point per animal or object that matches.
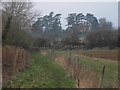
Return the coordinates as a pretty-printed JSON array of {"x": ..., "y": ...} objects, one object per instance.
[
  {"x": 50, "y": 25},
  {"x": 92, "y": 21},
  {"x": 81, "y": 23},
  {"x": 75, "y": 23},
  {"x": 104, "y": 24},
  {"x": 37, "y": 28},
  {"x": 17, "y": 19},
  {"x": 71, "y": 19},
  {"x": 101, "y": 38}
]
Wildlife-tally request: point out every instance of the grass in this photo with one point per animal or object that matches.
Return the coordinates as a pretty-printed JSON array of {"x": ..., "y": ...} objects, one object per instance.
[
  {"x": 111, "y": 71},
  {"x": 43, "y": 73},
  {"x": 104, "y": 54}
]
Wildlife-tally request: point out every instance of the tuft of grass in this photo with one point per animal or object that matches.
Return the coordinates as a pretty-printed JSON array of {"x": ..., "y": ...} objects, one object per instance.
[{"x": 43, "y": 73}]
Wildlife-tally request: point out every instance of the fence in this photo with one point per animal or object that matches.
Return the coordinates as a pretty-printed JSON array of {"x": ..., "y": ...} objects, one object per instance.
[{"x": 85, "y": 78}]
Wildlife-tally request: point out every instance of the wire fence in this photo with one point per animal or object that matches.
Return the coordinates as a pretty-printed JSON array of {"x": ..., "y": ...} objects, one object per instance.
[{"x": 79, "y": 71}]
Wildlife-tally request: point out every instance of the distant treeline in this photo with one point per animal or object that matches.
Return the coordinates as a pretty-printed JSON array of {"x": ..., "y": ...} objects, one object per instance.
[
  {"x": 21, "y": 28},
  {"x": 49, "y": 26},
  {"x": 92, "y": 39},
  {"x": 82, "y": 32}
]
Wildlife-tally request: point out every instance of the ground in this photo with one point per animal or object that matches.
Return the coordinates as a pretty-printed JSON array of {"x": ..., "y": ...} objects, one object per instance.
[
  {"x": 43, "y": 73},
  {"x": 95, "y": 60}
]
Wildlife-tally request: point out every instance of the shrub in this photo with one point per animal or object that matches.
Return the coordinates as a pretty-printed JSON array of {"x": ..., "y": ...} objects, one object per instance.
[
  {"x": 101, "y": 38},
  {"x": 19, "y": 38},
  {"x": 70, "y": 39},
  {"x": 42, "y": 42}
]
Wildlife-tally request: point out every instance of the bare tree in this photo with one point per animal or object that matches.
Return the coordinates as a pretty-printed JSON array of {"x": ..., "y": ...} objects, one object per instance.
[
  {"x": 19, "y": 12},
  {"x": 16, "y": 16}
]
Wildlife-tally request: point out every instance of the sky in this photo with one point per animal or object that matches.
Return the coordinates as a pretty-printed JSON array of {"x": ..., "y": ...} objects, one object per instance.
[{"x": 109, "y": 10}]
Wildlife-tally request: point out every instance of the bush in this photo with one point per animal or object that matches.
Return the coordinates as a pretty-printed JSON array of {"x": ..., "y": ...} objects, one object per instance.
[
  {"x": 70, "y": 39},
  {"x": 19, "y": 38},
  {"x": 101, "y": 38},
  {"x": 42, "y": 42}
]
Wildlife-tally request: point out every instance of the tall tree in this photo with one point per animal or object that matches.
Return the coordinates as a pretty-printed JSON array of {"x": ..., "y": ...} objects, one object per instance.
[
  {"x": 81, "y": 23},
  {"x": 37, "y": 28},
  {"x": 71, "y": 19},
  {"x": 74, "y": 21},
  {"x": 91, "y": 21},
  {"x": 50, "y": 25}
]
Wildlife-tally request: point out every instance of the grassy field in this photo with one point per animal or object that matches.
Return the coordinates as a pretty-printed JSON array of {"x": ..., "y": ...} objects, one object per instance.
[
  {"x": 96, "y": 62},
  {"x": 111, "y": 71},
  {"x": 43, "y": 73},
  {"x": 102, "y": 54},
  {"x": 47, "y": 73}
]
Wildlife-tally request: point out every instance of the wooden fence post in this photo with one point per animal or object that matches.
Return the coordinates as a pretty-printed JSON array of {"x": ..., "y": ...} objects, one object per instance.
[
  {"x": 78, "y": 83},
  {"x": 78, "y": 62},
  {"x": 75, "y": 68},
  {"x": 78, "y": 72},
  {"x": 102, "y": 76},
  {"x": 70, "y": 55}
]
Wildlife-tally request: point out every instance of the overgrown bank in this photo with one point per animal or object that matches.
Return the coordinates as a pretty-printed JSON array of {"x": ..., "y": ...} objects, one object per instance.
[
  {"x": 43, "y": 73},
  {"x": 88, "y": 70},
  {"x": 14, "y": 60}
]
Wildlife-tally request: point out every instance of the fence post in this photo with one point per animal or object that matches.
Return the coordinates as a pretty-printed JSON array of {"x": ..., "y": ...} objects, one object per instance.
[
  {"x": 102, "y": 76},
  {"x": 70, "y": 55},
  {"x": 78, "y": 83},
  {"x": 75, "y": 68},
  {"x": 78, "y": 62}
]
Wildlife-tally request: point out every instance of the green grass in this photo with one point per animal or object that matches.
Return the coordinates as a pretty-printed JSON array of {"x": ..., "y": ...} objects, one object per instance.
[
  {"x": 43, "y": 73},
  {"x": 111, "y": 71}
]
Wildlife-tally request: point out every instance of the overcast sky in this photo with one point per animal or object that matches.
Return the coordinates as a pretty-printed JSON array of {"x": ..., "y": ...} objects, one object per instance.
[{"x": 109, "y": 10}]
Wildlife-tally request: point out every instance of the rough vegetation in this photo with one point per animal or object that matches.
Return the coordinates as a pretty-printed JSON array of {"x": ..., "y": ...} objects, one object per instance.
[
  {"x": 14, "y": 60},
  {"x": 43, "y": 73},
  {"x": 24, "y": 32},
  {"x": 88, "y": 68}
]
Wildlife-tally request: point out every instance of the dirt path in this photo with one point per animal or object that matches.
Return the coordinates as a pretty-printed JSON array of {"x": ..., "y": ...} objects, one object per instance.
[{"x": 109, "y": 60}]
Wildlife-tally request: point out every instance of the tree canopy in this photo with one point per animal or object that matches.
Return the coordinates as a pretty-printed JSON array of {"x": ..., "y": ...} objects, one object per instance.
[{"x": 48, "y": 26}]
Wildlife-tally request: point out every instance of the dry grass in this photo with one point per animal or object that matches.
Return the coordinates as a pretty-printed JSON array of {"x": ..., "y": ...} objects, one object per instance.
[
  {"x": 83, "y": 73},
  {"x": 14, "y": 60},
  {"x": 43, "y": 52},
  {"x": 85, "y": 78}
]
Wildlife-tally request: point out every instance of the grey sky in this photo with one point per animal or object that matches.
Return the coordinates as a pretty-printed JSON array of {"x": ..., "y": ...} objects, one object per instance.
[{"x": 109, "y": 10}]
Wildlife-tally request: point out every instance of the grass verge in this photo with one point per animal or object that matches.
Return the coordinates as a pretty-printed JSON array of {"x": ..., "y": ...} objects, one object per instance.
[{"x": 43, "y": 73}]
